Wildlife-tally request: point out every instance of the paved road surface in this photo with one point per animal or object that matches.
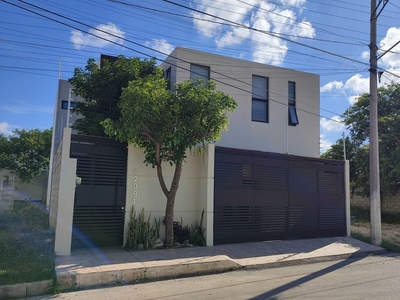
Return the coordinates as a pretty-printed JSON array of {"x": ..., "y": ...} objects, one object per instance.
[{"x": 375, "y": 277}]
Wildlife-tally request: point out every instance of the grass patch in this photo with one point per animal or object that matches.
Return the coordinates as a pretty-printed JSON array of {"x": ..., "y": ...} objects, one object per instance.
[
  {"x": 26, "y": 245},
  {"x": 390, "y": 246},
  {"x": 385, "y": 244},
  {"x": 361, "y": 237}
]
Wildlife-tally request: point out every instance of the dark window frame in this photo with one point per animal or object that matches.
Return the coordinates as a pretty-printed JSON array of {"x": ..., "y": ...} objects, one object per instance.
[
  {"x": 261, "y": 100},
  {"x": 201, "y": 66},
  {"x": 168, "y": 77},
  {"x": 293, "y": 119},
  {"x": 64, "y": 104}
]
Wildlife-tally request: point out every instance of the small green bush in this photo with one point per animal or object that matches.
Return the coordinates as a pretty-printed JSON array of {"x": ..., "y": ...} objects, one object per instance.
[{"x": 141, "y": 234}]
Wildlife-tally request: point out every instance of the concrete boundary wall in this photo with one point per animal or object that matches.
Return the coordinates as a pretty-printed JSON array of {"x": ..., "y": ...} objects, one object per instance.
[
  {"x": 195, "y": 192},
  {"x": 62, "y": 195},
  {"x": 389, "y": 203}
]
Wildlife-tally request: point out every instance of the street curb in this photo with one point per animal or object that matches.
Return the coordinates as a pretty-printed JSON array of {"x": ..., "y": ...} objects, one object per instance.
[
  {"x": 26, "y": 289},
  {"x": 313, "y": 260},
  {"x": 70, "y": 280}
]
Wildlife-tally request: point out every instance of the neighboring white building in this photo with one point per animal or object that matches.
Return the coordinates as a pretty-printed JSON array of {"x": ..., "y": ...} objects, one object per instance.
[
  {"x": 62, "y": 120},
  {"x": 261, "y": 120}
]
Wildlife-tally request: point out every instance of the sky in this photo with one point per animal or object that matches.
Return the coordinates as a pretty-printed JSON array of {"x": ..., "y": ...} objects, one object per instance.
[{"x": 41, "y": 41}]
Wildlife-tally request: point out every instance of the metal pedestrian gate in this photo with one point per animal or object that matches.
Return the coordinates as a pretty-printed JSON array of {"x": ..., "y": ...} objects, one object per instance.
[
  {"x": 266, "y": 196},
  {"x": 99, "y": 206}
]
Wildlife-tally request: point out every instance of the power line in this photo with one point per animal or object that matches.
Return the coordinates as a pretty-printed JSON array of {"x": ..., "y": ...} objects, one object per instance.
[{"x": 318, "y": 115}]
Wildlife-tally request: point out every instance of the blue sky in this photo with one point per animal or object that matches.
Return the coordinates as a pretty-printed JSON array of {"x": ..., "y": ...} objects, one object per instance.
[{"x": 31, "y": 46}]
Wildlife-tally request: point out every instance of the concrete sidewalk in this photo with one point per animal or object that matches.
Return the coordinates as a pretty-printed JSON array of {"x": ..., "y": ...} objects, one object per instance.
[{"x": 92, "y": 267}]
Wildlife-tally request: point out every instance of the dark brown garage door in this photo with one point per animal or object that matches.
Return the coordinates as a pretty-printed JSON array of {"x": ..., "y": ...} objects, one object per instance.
[{"x": 265, "y": 196}]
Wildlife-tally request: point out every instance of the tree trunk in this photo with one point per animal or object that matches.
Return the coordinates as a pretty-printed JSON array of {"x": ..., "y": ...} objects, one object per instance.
[{"x": 169, "y": 210}]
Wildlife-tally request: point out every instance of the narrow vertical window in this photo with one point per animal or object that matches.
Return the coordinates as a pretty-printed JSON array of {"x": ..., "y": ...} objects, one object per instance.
[
  {"x": 259, "y": 100},
  {"x": 168, "y": 77},
  {"x": 293, "y": 119}
]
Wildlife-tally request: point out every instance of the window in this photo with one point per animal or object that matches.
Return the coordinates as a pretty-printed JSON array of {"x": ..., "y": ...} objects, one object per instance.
[
  {"x": 64, "y": 104},
  {"x": 197, "y": 71},
  {"x": 293, "y": 119},
  {"x": 259, "y": 105},
  {"x": 168, "y": 77}
]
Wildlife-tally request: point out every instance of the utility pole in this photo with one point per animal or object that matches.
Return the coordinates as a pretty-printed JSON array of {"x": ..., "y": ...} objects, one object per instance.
[{"x": 376, "y": 230}]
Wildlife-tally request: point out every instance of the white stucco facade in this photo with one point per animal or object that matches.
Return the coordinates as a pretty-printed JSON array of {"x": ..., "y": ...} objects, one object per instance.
[
  {"x": 234, "y": 77},
  {"x": 195, "y": 192}
]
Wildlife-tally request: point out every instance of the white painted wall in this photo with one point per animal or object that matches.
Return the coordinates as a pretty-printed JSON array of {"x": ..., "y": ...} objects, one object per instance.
[
  {"x": 234, "y": 77},
  {"x": 195, "y": 192},
  {"x": 62, "y": 195}
]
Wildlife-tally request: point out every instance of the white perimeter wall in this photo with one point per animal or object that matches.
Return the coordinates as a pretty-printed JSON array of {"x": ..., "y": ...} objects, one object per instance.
[
  {"x": 195, "y": 192},
  {"x": 243, "y": 133},
  {"x": 62, "y": 195}
]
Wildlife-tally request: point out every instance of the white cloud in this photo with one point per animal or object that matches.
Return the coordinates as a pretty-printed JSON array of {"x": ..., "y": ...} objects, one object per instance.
[
  {"x": 161, "y": 45},
  {"x": 365, "y": 54},
  {"x": 257, "y": 14},
  {"x": 333, "y": 85},
  {"x": 332, "y": 124},
  {"x": 353, "y": 99},
  {"x": 234, "y": 37},
  {"x": 293, "y": 2},
  {"x": 388, "y": 78},
  {"x": 357, "y": 84},
  {"x": 6, "y": 128},
  {"x": 80, "y": 39},
  {"x": 391, "y": 59},
  {"x": 22, "y": 108},
  {"x": 324, "y": 144}
]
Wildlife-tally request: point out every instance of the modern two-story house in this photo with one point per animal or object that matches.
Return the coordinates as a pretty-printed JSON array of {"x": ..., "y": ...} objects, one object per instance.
[{"x": 263, "y": 180}]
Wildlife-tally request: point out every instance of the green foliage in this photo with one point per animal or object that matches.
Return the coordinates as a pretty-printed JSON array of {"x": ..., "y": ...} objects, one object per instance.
[
  {"x": 26, "y": 255},
  {"x": 165, "y": 124},
  {"x": 141, "y": 234},
  {"x": 152, "y": 115},
  {"x": 359, "y": 214},
  {"x": 101, "y": 90},
  {"x": 356, "y": 118},
  {"x": 197, "y": 233},
  {"x": 27, "y": 152},
  {"x": 193, "y": 235}
]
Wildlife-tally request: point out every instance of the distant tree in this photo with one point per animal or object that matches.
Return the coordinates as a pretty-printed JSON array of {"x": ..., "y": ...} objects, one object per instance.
[
  {"x": 101, "y": 90},
  {"x": 356, "y": 118},
  {"x": 26, "y": 152},
  {"x": 358, "y": 161},
  {"x": 165, "y": 124}
]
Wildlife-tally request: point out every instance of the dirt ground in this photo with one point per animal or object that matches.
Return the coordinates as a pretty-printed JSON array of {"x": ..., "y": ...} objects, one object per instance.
[{"x": 390, "y": 232}]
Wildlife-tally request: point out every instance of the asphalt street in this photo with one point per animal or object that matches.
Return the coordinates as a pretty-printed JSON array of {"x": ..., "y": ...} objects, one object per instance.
[{"x": 373, "y": 277}]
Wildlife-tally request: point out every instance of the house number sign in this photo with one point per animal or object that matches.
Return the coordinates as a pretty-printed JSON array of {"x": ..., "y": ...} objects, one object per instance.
[{"x": 134, "y": 185}]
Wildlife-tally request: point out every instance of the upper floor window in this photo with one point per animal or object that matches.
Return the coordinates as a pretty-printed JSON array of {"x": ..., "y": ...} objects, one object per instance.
[
  {"x": 293, "y": 119},
  {"x": 64, "y": 104},
  {"x": 259, "y": 103},
  {"x": 168, "y": 77},
  {"x": 197, "y": 71}
]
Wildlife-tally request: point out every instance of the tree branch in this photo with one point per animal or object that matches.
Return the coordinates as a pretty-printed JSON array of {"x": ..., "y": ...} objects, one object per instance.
[{"x": 159, "y": 171}]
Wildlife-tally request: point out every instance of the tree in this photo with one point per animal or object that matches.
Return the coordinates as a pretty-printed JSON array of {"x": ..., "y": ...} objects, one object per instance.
[
  {"x": 27, "y": 152},
  {"x": 356, "y": 118},
  {"x": 165, "y": 124},
  {"x": 358, "y": 161},
  {"x": 101, "y": 90}
]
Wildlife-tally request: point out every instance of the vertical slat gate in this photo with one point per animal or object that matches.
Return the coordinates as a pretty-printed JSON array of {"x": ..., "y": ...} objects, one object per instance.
[
  {"x": 99, "y": 205},
  {"x": 265, "y": 196}
]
